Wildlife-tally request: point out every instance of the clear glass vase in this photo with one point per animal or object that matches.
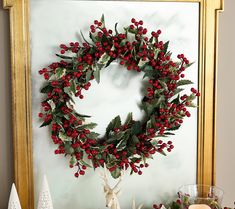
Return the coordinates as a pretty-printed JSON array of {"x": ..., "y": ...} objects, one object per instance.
[{"x": 200, "y": 197}]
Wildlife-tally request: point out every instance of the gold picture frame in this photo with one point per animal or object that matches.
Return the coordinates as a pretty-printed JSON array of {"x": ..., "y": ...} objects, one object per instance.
[{"x": 21, "y": 93}]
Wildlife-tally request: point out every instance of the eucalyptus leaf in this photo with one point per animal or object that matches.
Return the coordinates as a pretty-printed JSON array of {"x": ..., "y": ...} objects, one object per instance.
[
  {"x": 60, "y": 72},
  {"x": 48, "y": 88},
  {"x": 85, "y": 163},
  {"x": 73, "y": 160},
  {"x": 64, "y": 137},
  {"x": 129, "y": 118},
  {"x": 87, "y": 126},
  {"x": 184, "y": 82},
  {"x": 52, "y": 104},
  {"x": 177, "y": 91},
  {"x": 166, "y": 47},
  {"x": 136, "y": 128},
  {"x": 116, "y": 173},
  {"x": 97, "y": 75},
  {"x": 46, "y": 123},
  {"x": 116, "y": 28},
  {"x": 63, "y": 56}
]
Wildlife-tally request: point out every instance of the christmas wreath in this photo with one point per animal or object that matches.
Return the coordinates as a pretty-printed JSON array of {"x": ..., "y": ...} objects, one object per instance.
[{"x": 126, "y": 144}]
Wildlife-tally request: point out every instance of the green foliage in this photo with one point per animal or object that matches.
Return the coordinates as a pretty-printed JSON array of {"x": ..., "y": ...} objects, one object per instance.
[
  {"x": 48, "y": 88},
  {"x": 184, "y": 82}
]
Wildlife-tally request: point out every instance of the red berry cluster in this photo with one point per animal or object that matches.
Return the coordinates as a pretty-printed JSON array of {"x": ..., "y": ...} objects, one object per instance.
[{"x": 125, "y": 145}]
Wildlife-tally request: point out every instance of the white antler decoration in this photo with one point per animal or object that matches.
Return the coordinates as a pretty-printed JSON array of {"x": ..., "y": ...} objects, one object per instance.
[
  {"x": 134, "y": 205},
  {"x": 111, "y": 193}
]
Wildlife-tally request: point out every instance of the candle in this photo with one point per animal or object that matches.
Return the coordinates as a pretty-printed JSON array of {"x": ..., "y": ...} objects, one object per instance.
[{"x": 199, "y": 206}]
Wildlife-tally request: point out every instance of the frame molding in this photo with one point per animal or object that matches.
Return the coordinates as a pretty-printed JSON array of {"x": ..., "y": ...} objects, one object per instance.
[{"x": 21, "y": 93}]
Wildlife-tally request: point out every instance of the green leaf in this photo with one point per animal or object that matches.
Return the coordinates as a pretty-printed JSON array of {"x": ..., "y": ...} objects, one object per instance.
[
  {"x": 129, "y": 118},
  {"x": 68, "y": 149},
  {"x": 149, "y": 71},
  {"x": 173, "y": 128},
  {"x": 46, "y": 123},
  {"x": 110, "y": 61},
  {"x": 102, "y": 20},
  {"x": 103, "y": 59},
  {"x": 81, "y": 115},
  {"x": 116, "y": 173},
  {"x": 60, "y": 72},
  {"x": 168, "y": 134},
  {"x": 97, "y": 75},
  {"x": 163, "y": 84},
  {"x": 84, "y": 38},
  {"x": 136, "y": 128},
  {"x": 73, "y": 86},
  {"x": 121, "y": 145},
  {"x": 177, "y": 91},
  {"x": 92, "y": 37},
  {"x": 135, "y": 139},
  {"x": 148, "y": 108},
  {"x": 142, "y": 62},
  {"x": 52, "y": 104},
  {"x": 63, "y": 56},
  {"x": 48, "y": 88},
  {"x": 156, "y": 52},
  {"x": 153, "y": 120},
  {"x": 73, "y": 160},
  {"x": 133, "y": 31},
  {"x": 158, "y": 101},
  {"x": 186, "y": 66},
  {"x": 88, "y": 75},
  {"x": 88, "y": 126},
  {"x": 115, "y": 123},
  {"x": 68, "y": 91},
  {"x": 176, "y": 100},
  {"x": 123, "y": 43},
  {"x": 64, "y": 137},
  {"x": 166, "y": 47},
  {"x": 85, "y": 163},
  {"x": 92, "y": 135},
  {"x": 191, "y": 97},
  {"x": 191, "y": 104},
  {"x": 184, "y": 82},
  {"x": 116, "y": 28},
  {"x": 175, "y": 205}
]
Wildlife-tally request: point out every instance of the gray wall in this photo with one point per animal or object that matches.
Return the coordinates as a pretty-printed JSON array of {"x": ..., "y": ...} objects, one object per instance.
[
  {"x": 6, "y": 158},
  {"x": 225, "y": 114},
  {"x": 225, "y": 159}
]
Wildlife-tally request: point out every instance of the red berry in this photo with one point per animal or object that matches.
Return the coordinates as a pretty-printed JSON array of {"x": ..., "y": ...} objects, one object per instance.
[
  {"x": 84, "y": 167},
  {"x": 76, "y": 175},
  {"x": 40, "y": 115},
  {"x": 81, "y": 96},
  {"x": 133, "y": 20},
  {"x": 62, "y": 51},
  {"x": 81, "y": 172},
  {"x": 140, "y": 172}
]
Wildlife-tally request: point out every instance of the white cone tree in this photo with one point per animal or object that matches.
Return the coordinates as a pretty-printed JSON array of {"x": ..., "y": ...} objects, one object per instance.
[{"x": 44, "y": 201}]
